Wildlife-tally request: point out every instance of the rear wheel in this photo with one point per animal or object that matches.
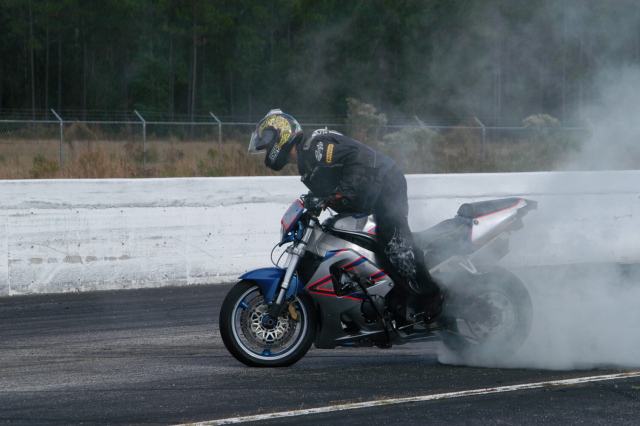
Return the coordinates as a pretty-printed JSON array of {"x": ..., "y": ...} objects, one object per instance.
[
  {"x": 502, "y": 318},
  {"x": 257, "y": 342}
]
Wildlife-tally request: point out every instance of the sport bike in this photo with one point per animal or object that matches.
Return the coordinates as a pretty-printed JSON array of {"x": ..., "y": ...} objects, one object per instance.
[{"x": 332, "y": 290}]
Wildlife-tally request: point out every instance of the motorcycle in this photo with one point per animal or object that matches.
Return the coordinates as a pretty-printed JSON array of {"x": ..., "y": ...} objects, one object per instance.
[{"x": 332, "y": 291}]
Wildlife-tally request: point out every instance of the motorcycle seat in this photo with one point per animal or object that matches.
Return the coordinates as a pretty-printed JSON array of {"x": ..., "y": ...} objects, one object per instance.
[
  {"x": 446, "y": 235},
  {"x": 483, "y": 208}
]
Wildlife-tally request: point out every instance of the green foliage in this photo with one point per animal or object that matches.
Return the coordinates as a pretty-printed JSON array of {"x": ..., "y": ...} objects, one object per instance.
[
  {"x": 543, "y": 128},
  {"x": 363, "y": 122},
  {"x": 44, "y": 168},
  {"x": 546, "y": 130},
  {"x": 241, "y": 57},
  {"x": 411, "y": 148},
  {"x": 79, "y": 131},
  {"x": 208, "y": 170},
  {"x": 18, "y": 131},
  {"x": 149, "y": 83},
  {"x": 209, "y": 167},
  {"x": 460, "y": 150}
]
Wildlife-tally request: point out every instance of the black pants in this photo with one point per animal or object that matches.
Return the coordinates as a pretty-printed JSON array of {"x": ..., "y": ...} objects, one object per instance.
[{"x": 404, "y": 260}]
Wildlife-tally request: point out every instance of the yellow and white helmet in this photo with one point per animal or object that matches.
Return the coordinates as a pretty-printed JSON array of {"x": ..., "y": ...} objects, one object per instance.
[{"x": 276, "y": 135}]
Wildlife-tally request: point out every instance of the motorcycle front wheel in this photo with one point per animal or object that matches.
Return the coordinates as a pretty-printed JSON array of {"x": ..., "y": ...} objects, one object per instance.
[
  {"x": 502, "y": 331},
  {"x": 258, "y": 343}
]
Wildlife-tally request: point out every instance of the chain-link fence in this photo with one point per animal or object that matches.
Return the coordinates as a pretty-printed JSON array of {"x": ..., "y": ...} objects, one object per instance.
[{"x": 142, "y": 147}]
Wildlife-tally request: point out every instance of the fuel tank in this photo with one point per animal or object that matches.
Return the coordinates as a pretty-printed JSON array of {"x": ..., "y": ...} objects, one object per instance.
[{"x": 357, "y": 232}]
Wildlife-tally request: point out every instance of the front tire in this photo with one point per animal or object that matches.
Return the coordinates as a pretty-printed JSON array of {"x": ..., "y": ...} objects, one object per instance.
[
  {"x": 258, "y": 345},
  {"x": 499, "y": 334}
]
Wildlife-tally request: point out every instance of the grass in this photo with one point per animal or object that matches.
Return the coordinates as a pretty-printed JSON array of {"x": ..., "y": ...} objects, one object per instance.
[
  {"x": 459, "y": 150},
  {"x": 114, "y": 159}
]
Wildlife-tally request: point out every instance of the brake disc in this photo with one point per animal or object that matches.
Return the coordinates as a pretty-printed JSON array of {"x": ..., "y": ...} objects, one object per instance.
[{"x": 254, "y": 329}]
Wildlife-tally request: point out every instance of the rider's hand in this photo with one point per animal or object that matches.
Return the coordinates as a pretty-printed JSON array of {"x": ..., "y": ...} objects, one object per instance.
[
  {"x": 312, "y": 202},
  {"x": 335, "y": 202}
]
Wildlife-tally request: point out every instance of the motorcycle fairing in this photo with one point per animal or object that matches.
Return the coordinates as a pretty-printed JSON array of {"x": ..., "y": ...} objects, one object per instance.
[
  {"x": 289, "y": 221},
  {"x": 489, "y": 218},
  {"x": 291, "y": 216},
  {"x": 475, "y": 225},
  {"x": 268, "y": 280},
  {"x": 324, "y": 287},
  {"x": 337, "y": 309},
  {"x": 357, "y": 225},
  {"x": 331, "y": 253}
]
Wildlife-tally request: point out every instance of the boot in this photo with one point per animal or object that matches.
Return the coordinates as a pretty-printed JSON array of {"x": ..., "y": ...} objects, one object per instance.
[{"x": 432, "y": 306}]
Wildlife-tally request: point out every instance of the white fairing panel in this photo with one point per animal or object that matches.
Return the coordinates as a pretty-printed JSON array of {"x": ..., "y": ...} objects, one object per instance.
[
  {"x": 361, "y": 223},
  {"x": 485, "y": 228}
]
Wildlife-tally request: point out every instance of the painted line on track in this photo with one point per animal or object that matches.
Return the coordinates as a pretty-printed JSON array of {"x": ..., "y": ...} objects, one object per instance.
[{"x": 422, "y": 398}]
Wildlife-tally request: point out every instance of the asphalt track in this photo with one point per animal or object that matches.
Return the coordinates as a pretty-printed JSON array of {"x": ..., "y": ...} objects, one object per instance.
[{"x": 155, "y": 357}]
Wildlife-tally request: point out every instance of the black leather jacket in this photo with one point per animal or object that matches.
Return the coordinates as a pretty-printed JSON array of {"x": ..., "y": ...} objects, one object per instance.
[{"x": 331, "y": 163}]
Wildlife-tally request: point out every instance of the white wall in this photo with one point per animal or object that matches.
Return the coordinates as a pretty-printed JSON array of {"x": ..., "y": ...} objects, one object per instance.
[{"x": 78, "y": 235}]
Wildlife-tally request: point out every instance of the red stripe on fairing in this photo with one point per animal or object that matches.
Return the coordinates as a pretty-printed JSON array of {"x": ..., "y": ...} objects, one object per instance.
[
  {"x": 329, "y": 254},
  {"x": 377, "y": 275},
  {"x": 508, "y": 208},
  {"x": 355, "y": 263},
  {"x": 316, "y": 288},
  {"x": 501, "y": 229},
  {"x": 287, "y": 227}
]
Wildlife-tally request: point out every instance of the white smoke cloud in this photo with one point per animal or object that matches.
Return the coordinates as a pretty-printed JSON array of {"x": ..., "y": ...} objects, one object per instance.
[
  {"x": 586, "y": 315},
  {"x": 615, "y": 124}
]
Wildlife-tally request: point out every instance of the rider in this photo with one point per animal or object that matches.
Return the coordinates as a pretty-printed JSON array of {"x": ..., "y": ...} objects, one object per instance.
[{"x": 354, "y": 178}]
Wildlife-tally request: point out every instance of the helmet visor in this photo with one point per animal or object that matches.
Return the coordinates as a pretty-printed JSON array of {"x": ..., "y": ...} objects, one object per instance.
[{"x": 258, "y": 143}]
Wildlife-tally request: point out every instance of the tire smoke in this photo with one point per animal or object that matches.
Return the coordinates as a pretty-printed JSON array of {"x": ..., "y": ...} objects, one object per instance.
[{"x": 586, "y": 305}]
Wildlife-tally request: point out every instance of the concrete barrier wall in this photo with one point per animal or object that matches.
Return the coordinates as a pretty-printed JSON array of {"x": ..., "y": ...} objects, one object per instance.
[{"x": 79, "y": 235}]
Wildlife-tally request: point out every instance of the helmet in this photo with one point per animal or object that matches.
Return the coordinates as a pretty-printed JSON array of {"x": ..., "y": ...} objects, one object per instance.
[{"x": 276, "y": 135}]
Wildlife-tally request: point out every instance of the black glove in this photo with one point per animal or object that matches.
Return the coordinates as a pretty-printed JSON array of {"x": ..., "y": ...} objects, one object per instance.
[
  {"x": 312, "y": 202},
  {"x": 336, "y": 202}
]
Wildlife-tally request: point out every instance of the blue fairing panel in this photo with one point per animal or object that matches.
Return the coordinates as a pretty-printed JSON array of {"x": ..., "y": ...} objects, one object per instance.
[{"x": 268, "y": 280}]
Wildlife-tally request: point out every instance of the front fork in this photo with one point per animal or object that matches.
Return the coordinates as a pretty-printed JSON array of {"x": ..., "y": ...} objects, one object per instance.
[{"x": 296, "y": 253}]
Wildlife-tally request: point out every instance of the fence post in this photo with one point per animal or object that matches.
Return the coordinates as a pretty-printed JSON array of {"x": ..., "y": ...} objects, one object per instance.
[
  {"x": 144, "y": 141},
  {"x": 219, "y": 139},
  {"x": 61, "y": 133},
  {"x": 484, "y": 139}
]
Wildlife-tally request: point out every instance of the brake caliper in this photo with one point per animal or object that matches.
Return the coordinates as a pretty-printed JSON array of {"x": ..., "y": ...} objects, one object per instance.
[{"x": 294, "y": 313}]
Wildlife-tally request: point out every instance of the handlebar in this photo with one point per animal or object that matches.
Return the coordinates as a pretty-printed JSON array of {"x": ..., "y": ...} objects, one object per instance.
[{"x": 313, "y": 203}]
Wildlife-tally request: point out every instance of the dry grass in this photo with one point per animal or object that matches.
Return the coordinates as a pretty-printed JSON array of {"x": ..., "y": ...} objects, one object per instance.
[
  {"x": 108, "y": 159},
  {"x": 457, "y": 151}
]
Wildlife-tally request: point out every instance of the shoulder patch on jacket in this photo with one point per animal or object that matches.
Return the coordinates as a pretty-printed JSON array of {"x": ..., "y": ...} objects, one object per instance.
[
  {"x": 329, "y": 157},
  {"x": 319, "y": 151}
]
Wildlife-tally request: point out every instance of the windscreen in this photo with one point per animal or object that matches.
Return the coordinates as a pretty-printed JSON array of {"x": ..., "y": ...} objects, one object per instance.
[{"x": 292, "y": 215}]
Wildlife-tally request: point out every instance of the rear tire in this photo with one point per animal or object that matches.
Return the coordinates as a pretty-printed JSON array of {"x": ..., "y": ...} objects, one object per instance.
[
  {"x": 253, "y": 343},
  {"x": 505, "y": 330}
]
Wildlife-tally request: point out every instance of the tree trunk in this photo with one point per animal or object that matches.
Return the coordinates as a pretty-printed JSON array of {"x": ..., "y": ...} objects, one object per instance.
[
  {"x": 172, "y": 89},
  {"x": 84, "y": 80},
  {"x": 60, "y": 71},
  {"x": 1, "y": 86},
  {"x": 46, "y": 71},
  {"x": 232, "y": 105},
  {"x": 194, "y": 76},
  {"x": 32, "y": 63}
]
